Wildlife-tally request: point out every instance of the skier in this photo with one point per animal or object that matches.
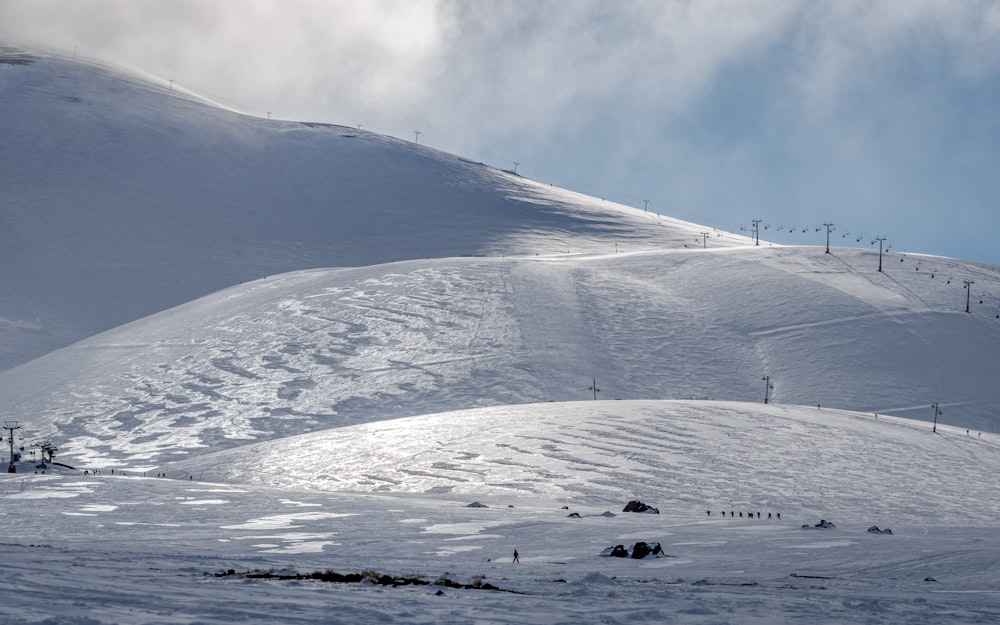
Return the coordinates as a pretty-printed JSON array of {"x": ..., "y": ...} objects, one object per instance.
[{"x": 516, "y": 558}]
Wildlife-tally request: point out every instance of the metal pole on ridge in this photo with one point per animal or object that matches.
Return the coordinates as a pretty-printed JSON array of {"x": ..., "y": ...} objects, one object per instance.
[{"x": 593, "y": 387}]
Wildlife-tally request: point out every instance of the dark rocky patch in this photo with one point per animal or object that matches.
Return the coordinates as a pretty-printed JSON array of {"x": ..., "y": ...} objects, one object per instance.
[
  {"x": 641, "y": 549},
  {"x": 823, "y": 525},
  {"x": 619, "y": 551},
  {"x": 638, "y": 506},
  {"x": 371, "y": 577},
  {"x": 638, "y": 551}
]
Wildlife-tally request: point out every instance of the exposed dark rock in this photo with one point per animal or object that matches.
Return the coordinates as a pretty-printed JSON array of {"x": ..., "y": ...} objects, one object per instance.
[
  {"x": 640, "y": 550},
  {"x": 370, "y": 577},
  {"x": 638, "y": 506},
  {"x": 823, "y": 524},
  {"x": 619, "y": 551}
]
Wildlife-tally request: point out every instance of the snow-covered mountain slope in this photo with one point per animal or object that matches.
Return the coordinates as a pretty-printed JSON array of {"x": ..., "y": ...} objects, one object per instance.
[
  {"x": 689, "y": 455},
  {"x": 121, "y": 197},
  {"x": 320, "y": 349}
]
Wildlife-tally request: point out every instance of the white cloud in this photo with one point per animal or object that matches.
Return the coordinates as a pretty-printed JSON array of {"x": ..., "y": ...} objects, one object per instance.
[
  {"x": 541, "y": 67},
  {"x": 345, "y": 55}
]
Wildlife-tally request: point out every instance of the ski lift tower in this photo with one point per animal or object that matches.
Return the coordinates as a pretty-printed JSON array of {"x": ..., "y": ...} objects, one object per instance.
[
  {"x": 48, "y": 449},
  {"x": 11, "y": 427}
]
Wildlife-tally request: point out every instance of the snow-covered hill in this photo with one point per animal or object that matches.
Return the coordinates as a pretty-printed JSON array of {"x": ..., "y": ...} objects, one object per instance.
[
  {"x": 689, "y": 455},
  {"x": 121, "y": 197},
  {"x": 319, "y": 349},
  {"x": 114, "y": 548}
]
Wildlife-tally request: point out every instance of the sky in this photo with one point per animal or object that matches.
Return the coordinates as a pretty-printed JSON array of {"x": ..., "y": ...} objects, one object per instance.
[{"x": 877, "y": 117}]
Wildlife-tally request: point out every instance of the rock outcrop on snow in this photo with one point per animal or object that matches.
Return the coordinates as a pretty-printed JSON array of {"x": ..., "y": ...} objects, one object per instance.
[
  {"x": 638, "y": 551},
  {"x": 638, "y": 506},
  {"x": 823, "y": 525},
  {"x": 641, "y": 549}
]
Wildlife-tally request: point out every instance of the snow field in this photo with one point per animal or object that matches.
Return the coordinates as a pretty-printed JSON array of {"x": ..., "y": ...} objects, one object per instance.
[{"x": 99, "y": 544}]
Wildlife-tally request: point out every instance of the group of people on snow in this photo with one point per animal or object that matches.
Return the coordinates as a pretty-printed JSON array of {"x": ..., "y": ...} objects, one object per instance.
[{"x": 749, "y": 515}]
